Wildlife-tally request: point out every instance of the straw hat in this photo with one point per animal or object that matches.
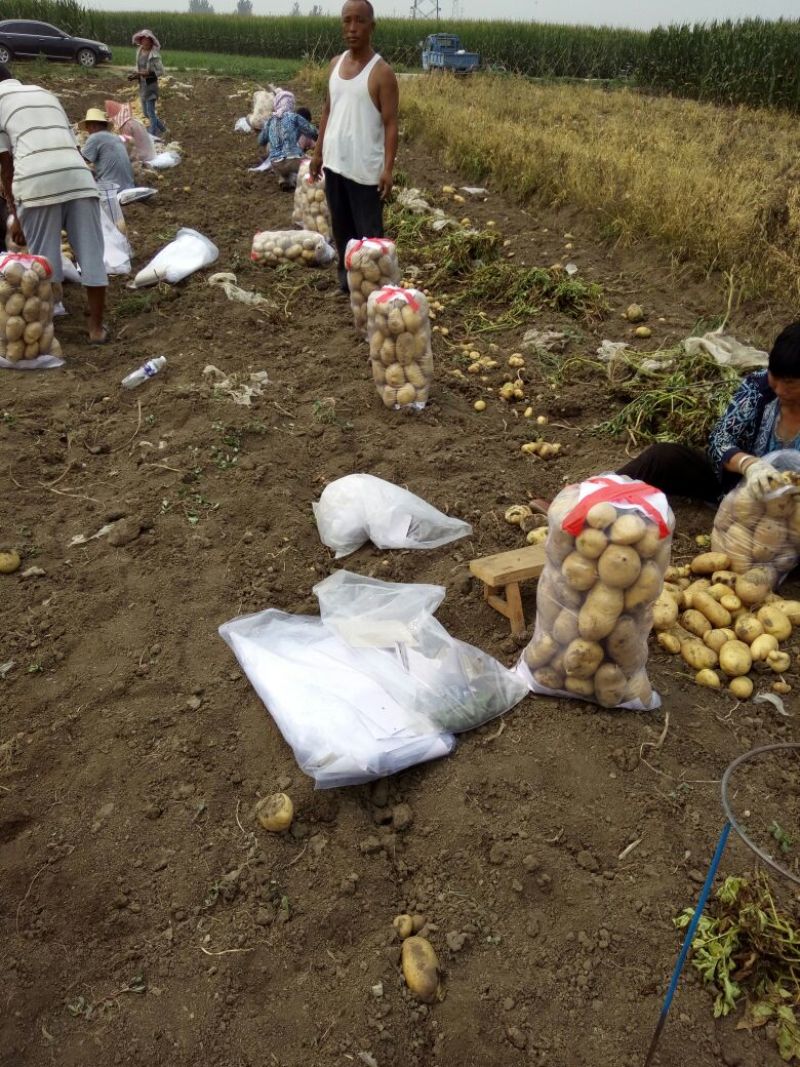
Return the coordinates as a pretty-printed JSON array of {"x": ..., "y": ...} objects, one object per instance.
[{"x": 94, "y": 114}]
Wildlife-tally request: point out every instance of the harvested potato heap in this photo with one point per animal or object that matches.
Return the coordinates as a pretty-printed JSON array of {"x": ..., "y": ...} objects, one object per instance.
[
  {"x": 274, "y": 247},
  {"x": 752, "y": 530},
  {"x": 399, "y": 332},
  {"x": 26, "y": 308},
  {"x": 371, "y": 264},
  {"x": 608, "y": 547},
  {"x": 725, "y": 625},
  {"x": 310, "y": 206}
]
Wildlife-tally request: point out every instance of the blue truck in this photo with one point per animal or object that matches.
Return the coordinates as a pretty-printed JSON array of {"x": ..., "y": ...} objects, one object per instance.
[{"x": 443, "y": 51}]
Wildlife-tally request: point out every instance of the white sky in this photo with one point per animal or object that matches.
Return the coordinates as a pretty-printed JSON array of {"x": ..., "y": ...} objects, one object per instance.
[{"x": 645, "y": 14}]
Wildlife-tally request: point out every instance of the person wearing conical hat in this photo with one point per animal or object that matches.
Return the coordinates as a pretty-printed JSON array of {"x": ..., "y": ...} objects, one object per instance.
[
  {"x": 149, "y": 69},
  {"x": 105, "y": 151}
]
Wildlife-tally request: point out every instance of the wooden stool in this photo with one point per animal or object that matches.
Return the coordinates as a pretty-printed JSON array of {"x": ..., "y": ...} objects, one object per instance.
[{"x": 503, "y": 573}]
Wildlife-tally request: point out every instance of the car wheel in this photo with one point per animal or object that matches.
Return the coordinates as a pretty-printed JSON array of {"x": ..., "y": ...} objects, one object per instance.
[
  {"x": 5, "y": 54},
  {"x": 86, "y": 57}
]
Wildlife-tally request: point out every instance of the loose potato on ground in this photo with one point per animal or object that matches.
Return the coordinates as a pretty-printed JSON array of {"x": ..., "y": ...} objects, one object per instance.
[
  {"x": 735, "y": 658},
  {"x": 420, "y": 968}
]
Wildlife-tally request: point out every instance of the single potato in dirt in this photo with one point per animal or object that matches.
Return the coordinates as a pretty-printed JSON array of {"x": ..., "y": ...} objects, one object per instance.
[{"x": 148, "y": 915}]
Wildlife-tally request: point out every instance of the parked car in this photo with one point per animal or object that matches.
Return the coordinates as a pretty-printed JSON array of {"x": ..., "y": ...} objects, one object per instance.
[
  {"x": 443, "y": 51},
  {"x": 24, "y": 38}
]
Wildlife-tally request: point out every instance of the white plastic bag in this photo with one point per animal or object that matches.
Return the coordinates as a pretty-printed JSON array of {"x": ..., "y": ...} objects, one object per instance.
[
  {"x": 139, "y": 192},
  {"x": 375, "y": 685},
  {"x": 116, "y": 248},
  {"x": 342, "y": 725},
  {"x": 70, "y": 270},
  {"x": 275, "y": 247},
  {"x": 189, "y": 252},
  {"x": 242, "y": 125},
  {"x": 453, "y": 685},
  {"x": 164, "y": 160},
  {"x": 608, "y": 546},
  {"x": 360, "y": 507}
]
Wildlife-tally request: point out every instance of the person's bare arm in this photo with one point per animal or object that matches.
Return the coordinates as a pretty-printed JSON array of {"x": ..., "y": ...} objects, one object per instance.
[
  {"x": 388, "y": 103},
  {"x": 315, "y": 166}
]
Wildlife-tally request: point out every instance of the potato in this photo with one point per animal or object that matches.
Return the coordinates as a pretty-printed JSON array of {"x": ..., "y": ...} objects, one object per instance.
[
  {"x": 13, "y": 273},
  {"x": 29, "y": 283},
  {"x": 731, "y": 602},
  {"x": 609, "y": 685},
  {"x": 599, "y": 612},
  {"x": 724, "y": 578},
  {"x": 15, "y": 351},
  {"x": 696, "y": 623},
  {"x": 646, "y": 588},
  {"x": 414, "y": 373},
  {"x": 669, "y": 642},
  {"x": 579, "y": 573},
  {"x": 754, "y": 585},
  {"x": 420, "y": 968},
  {"x": 779, "y": 661},
  {"x": 599, "y": 516},
  {"x": 769, "y": 537},
  {"x": 406, "y": 395},
  {"x": 33, "y": 331},
  {"x": 565, "y": 627},
  {"x": 627, "y": 530},
  {"x": 582, "y": 658},
  {"x": 714, "y": 612},
  {"x": 388, "y": 396},
  {"x": 735, "y": 658},
  {"x": 791, "y": 609},
  {"x": 591, "y": 543},
  {"x": 541, "y": 652},
  {"x": 697, "y": 655},
  {"x": 378, "y": 373},
  {"x": 388, "y": 353},
  {"x": 404, "y": 925},
  {"x": 627, "y": 644},
  {"x": 708, "y": 562},
  {"x": 665, "y": 612},
  {"x": 405, "y": 348},
  {"x": 580, "y": 687},
  {"x": 32, "y": 350},
  {"x": 741, "y": 687},
  {"x": 746, "y": 507},
  {"x": 650, "y": 541},
  {"x": 549, "y": 678},
  {"x": 747, "y": 628},
  {"x": 15, "y": 328},
  {"x": 32, "y": 309},
  {"x": 275, "y": 813},
  {"x": 715, "y": 639},
  {"x": 638, "y": 689},
  {"x": 15, "y": 304},
  {"x": 619, "y": 566},
  {"x": 708, "y": 679},
  {"x": 700, "y": 585},
  {"x": 775, "y": 622},
  {"x": 761, "y": 647}
]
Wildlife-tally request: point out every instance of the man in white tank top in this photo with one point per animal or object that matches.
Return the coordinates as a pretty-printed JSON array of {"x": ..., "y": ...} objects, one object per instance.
[{"x": 357, "y": 140}]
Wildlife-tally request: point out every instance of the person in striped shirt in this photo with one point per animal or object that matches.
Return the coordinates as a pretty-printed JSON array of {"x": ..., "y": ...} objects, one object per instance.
[{"x": 49, "y": 188}]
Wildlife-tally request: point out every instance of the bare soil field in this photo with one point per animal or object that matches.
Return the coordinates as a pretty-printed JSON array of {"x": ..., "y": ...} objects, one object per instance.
[{"x": 145, "y": 916}]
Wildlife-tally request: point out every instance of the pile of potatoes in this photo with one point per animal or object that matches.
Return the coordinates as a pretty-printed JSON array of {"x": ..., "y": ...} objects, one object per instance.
[
  {"x": 371, "y": 264},
  {"x": 310, "y": 206},
  {"x": 274, "y": 247},
  {"x": 752, "y": 530},
  {"x": 594, "y": 604},
  {"x": 26, "y": 309},
  {"x": 725, "y": 624},
  {"x": 399, "y": 331}
]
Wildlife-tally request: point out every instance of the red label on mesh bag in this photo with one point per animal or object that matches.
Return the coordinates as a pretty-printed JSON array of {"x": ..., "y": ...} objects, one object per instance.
[
  {"x": 388, "y": 292},
  {"x": 611, "y": 492}
]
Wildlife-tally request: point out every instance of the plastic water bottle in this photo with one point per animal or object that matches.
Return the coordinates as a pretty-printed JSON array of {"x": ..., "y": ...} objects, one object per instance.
[{"x": 141, "y": 374}]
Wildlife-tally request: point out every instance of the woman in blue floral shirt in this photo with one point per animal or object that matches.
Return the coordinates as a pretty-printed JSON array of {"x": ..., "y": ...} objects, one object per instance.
[{"x": 762, "y": 417}]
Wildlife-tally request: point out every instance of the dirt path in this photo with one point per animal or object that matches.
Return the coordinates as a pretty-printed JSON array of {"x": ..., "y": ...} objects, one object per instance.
[{"x": 145, "y": 918}]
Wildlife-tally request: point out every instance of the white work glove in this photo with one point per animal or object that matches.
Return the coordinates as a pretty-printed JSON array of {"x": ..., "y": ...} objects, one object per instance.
[{"x": 761, "y": 477}]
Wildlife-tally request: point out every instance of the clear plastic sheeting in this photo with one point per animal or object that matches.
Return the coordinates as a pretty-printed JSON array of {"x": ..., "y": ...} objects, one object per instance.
[
  {"x": 360, "y": 507},
  {"x": 375, "y": 685}
]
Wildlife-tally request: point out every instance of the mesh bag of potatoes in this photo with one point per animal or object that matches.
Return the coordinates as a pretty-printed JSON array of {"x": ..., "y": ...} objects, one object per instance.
[
  {"x": 310, "y": 206},
  {"x": 399, "y": 331},
  {"x": 608, "y": 547},
  {"x": 754, "y": 530},
  {"x": 274, "y": 247},
  {"x": 26, "y": 309},
  {"x": 371, "y": 264}
]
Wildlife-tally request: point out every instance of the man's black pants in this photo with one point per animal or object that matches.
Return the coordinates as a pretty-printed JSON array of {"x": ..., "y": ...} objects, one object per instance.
[{"x": 356, "y": 212}]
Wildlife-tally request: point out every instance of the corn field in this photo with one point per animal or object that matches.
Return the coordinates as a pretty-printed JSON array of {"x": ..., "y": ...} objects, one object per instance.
[{"x": 752, "y": 62}]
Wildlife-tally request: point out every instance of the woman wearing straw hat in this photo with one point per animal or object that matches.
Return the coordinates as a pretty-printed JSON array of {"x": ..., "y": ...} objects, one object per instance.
[
  {"x": 105, "y": 151},
  {"x": 149, "y": 69}
]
